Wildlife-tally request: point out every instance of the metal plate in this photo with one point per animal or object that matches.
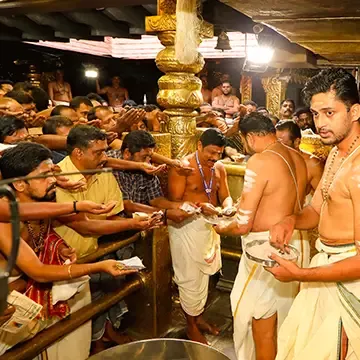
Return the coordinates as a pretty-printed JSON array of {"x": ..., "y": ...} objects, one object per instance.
[
  {"x": 161, "y": 349},
  {"x": 268, "y": 262},
  {"x": 215, "y": 220}
]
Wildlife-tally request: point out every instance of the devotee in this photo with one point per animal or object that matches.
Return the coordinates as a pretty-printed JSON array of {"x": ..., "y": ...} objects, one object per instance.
[
  {"x": 251, "y": 106},
  {"x": 82, "y": 106},
  {"x": 116, "y": 93},
  {"x": 287, "y": 108},
  {"x": 39, "y": 243},
  {"x": 105, "y": 114},
  {"x": 327, "y": 305},
  {"x": 205, "y": 108},
  {"x": 12, "y": 130},
  {"x": 212, "y": 119},
  {"x": 67, "y": 111},
  {"x": 205, "y": 91},
  {"x": 304, "y": 119},
  {"x": 217, "y": 90},
  {"x": 59, "y": 90},
  {"x": 290, "y": 135},
  {"x": 195, "y": 247},
  {"x": 40, "y": 96},
  {"x": 128, "y": 104},
  {"x": 86, "y": 149},
  {"x": 57, "y": 125},
  {"x": 262, "y": 110},
  {"x": 142, "y": 192},
  {"x": 96, "y": 100},
  {"x": 229, "y": 103},
  {"x": 274, "y": 119},
  {"x": 154, "y": 117},
  {"x": 27, "y": 103},
  {"x": 259, "y": 302},
  {"x": 5, "y": 87},
  {"x": 10, "y": 106}
]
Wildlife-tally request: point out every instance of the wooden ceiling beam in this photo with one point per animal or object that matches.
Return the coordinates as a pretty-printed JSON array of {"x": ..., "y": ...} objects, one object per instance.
[
  {"x": 29, "y": 29},
  {"x": 100, "y": 24},
  {"x": 63, "y": 26},
  {"x": 16, "y": 7}
]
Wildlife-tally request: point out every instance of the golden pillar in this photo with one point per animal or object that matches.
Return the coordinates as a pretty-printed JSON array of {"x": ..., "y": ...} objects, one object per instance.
[
  {"x": 179, "y": 89},
  {"x": 275, "y": 90},
  {"x": 246, "y": 88}
]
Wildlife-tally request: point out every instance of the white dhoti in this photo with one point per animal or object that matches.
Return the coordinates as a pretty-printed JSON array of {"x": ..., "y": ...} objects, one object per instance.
[
  {"x": 312, "y": 329},
  {"x": 76, "y": 345},
  {"x": 195, "y": 252},
  {"x": 60, "y": 102},
  {"x": 256, "y": 294}
]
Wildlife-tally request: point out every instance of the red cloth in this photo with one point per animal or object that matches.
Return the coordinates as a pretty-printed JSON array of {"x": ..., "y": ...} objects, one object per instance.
[{"x": 41, "y": 292}]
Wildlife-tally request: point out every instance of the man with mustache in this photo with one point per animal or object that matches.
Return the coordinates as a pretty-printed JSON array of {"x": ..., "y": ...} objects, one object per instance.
[
  {"x": 327, "y": 306},
  {"x": 195, "y": 247},
  {"x": 287, "y": 108},
  {"x": 259, "y": 302},
  {"x": 86, "y": 146},
  {"x": 42, "y": 252}
]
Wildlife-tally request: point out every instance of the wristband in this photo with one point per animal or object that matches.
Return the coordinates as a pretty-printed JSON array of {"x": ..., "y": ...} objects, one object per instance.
[{"x": 75, "y": 209}]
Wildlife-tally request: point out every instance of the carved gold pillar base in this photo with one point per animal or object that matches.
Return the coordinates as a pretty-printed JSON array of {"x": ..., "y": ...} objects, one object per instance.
[
  {"x": 246, "y": 88},
  {"x": 275, "y": 90}
]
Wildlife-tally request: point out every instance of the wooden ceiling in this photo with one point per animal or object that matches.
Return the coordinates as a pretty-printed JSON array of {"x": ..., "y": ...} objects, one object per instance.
[
  {"x": 59, "y": 20},
  {"x": 328, "y": 28}
]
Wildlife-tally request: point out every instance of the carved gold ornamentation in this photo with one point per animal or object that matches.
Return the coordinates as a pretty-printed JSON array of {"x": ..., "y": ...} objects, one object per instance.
[
  {"x": 179, "y": 89},
  {"x": 167, "y": 22},
  {"x": 246, "y": 88},
  {"x": 166, "y": 7},
  {"x": 312, "y": 145},
  {"x": 275, "y": 92},
  {"x": 164, "y": 22}
]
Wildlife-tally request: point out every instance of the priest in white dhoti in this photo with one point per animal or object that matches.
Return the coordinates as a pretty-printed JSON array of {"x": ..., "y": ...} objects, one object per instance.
[
  {"x": 274, "y": 185},
  {"x": 195, "y": 246},
  {"x": 324, "y": 321}
]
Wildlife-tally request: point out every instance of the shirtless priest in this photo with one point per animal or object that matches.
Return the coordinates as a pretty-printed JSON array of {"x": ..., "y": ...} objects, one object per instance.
[
  {"x": 195, "y": 246},
  {"x": 274, "y": 185},
  {"x": 327, "y": 307}
]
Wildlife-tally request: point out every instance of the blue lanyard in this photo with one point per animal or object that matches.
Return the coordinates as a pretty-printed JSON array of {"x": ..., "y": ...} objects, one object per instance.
[{"x": 208, "y": 188}]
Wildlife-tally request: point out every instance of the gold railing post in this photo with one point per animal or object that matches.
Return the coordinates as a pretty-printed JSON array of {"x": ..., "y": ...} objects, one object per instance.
[
  {"x": 275, "y": 90},
  {"x": 246, "y": 88}
]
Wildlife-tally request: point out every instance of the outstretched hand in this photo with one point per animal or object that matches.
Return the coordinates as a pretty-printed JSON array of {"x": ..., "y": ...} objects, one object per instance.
[
  {"x": 111, "y": 267},
  {"x": 285, "y": 271},
  {"x": 94, "y": 208},
  {"x": 153, "y": 170}
]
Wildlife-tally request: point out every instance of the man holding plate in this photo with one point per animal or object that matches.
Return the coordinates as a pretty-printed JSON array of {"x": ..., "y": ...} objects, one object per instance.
[
  {"x": 195, "y": 246},
  {"x": 274, "y": 185},
  {"x": 328, "y": 305}
]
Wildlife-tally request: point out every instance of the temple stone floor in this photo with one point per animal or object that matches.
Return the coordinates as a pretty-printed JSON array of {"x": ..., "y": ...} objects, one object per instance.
[{"x": 217, "y": 312}]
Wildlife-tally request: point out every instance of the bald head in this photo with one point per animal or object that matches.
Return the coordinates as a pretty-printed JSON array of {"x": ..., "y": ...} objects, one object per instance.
[{"x": 9, "y": 106}]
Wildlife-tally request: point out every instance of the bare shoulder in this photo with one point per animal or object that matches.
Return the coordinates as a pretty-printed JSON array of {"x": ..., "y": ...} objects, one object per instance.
[
  {"x": 220, "y": 167},
  {"x": 356, "y": 162},
  {"x": 259, "y": 161},
  {"x": 186, "y": 161}
]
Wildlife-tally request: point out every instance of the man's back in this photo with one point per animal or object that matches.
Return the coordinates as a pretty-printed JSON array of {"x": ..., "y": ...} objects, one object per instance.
[{"x": 280, "y": 168}]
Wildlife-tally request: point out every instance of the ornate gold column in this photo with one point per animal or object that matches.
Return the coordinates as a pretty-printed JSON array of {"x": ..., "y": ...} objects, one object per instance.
[
  {"x": 246, "y": 88},
  {"x": 275, "y": 92},
  {"x": 179, "y": 89}
]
